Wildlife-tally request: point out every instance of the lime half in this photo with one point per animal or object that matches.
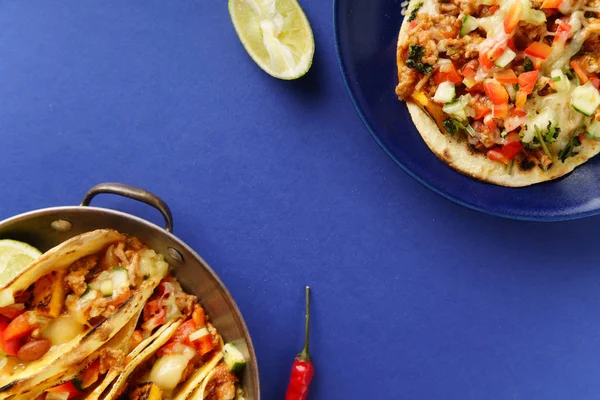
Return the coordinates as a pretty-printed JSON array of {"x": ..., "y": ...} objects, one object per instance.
[
  {"x": 14, "y": 256},
  {"x": 276, "y": 34}
]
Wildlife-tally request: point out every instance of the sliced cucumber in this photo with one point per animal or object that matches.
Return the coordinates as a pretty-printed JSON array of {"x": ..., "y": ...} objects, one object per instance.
[
  {"x": 585, "y": 99},
  {"x": 106, "y": 288},
  {"x": 505, "y": 58},
  {"x": 233, "y": 358},
  {"x": 458, "y": 108},
  {"x": 561, "y": 82},
  {"x": 469, "y": 24},
  {"x": 445, "y": 93},
  {"x": 119, "y": 279}
]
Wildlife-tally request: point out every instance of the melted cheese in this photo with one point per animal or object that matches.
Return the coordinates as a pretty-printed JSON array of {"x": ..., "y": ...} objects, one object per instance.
[{"x": 556, "y": 108}]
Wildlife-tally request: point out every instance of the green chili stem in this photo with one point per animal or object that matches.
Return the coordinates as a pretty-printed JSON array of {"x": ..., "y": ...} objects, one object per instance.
[{"x": 305, "y": 354}]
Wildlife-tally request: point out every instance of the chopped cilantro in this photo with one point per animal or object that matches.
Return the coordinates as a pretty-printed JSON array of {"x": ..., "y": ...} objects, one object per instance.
[
  {"x": 453, "y": 126},
  {"x": 415, "y": 54},
  {"x": 528, "y": 64},
  {"x": 569, "y": 151},
  {"x": 570, "y": 73},
  {"x": 413, "y": 13},
  {"x": 552, "y": 133}
]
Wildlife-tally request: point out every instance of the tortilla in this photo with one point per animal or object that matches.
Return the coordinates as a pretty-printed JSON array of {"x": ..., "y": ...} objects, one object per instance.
[
  {"x": 48, "y": 370},
  {"x": 456, "y": 151},
  {"x": 63, "y": 357}
]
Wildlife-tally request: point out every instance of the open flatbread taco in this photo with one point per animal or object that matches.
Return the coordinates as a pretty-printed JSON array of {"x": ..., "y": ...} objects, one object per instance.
[{"x": 503, "y": 91}]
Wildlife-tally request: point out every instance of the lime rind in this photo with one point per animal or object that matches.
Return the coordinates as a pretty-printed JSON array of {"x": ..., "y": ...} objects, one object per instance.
[
  {"x": 276, "y": 34},
  {"x": 14, "y": 257}
]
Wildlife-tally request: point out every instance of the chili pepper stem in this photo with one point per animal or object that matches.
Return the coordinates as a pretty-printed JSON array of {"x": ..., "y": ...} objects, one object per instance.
[{"x": 305, "y": 354}]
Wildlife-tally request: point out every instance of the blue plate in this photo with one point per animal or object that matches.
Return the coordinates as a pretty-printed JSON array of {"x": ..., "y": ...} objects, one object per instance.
[{"x": 366, "y": 32}]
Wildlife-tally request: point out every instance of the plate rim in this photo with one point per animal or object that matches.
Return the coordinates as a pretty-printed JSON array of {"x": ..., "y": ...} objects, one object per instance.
[{"x": 505, "y": 215}]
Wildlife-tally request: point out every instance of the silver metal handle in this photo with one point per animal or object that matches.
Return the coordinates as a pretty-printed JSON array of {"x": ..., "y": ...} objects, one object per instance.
[{"x": 134, "y": 193}]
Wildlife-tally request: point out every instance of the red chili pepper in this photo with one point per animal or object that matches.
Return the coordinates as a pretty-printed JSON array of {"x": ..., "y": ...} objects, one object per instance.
[{"x": 302, "y": 369}]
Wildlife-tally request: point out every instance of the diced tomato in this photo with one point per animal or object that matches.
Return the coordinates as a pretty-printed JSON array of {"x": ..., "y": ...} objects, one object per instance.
[
  {"x": 497, "y": 50},
  {"x": 511, "y": 149},
  {"x": 10, "y": 347},
  {"x": 490, "y": 123},
  {"x": 538, "y": 50},
  {"x": 120, "y": 297},
  {"x": 513, "y": 17},
  {"x": 494, "y": 8},
  {"x": 183, "y": 332},
  {"x": 513, "y": 137},
  {"x": 497, "y": 155},
  {"x": 527, "y": 81},
  {"x": 563, "y": 31},
  {"x": 583, "y": 78},
  {"x": 19, "y": 327},
  {"x": 204, "y": 344},
  {"x": 66, "y": 387},
  {"x": 447, "y": 73},
  {"x": 506, "y": 76},
  {"x": 152, "y": 307},
  {"x": 511, "y": 44},
  {"x": 551, "y": 3},
  {"x": 595, "y": 81},
  {"x": 166, "y": 349},
  {"x": 497, "y": 93},
  {"x": 505, "y": 153},
  {"x": 91, "y": 374},
  {"x": 412, "y": 25},
  {"x": 13, "y": 311},
  {"x": 481, "y": 109},
  {"x": 485, "y": 62}
]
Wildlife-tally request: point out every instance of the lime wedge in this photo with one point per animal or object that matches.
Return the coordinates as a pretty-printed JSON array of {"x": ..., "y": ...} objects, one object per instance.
[
  {"x": 276, "y": 34},
  {"x": 14, "y": 256}
]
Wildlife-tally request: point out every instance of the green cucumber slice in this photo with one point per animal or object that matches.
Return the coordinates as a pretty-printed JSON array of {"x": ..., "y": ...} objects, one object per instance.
[
  {"x": 585, "y": 99},
  {"x": 469, "y": 24},
  {"x": 233, "y": 358}
]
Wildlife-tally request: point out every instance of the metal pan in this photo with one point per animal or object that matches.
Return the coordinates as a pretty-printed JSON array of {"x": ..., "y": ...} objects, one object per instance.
[{"x": 45, "y": 228}]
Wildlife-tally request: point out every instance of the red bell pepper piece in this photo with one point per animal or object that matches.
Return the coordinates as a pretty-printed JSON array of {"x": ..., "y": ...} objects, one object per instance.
[
  {"x": 447, "y": 73},
  {"x": 583, "y": 78},
  {"x": 496, "y": 92},
  {"x": 20, "y": 327},
  {"x": 506, "y": 76},
  {"x": 527, "y": 81},
  {"x": 513, "y": 17},
  {"x": 506, "y": 153},
  {"x": 13, "y": 311},
  {"x": 538, "y": 50},
  {"x": 66, "y": 387},
  {"x": 551, "y": 3},
  {"x": 91, "y": 374}
]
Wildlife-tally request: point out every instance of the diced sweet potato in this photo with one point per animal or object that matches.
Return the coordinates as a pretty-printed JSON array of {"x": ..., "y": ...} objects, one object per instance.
[{"x": 146, "y": 391}]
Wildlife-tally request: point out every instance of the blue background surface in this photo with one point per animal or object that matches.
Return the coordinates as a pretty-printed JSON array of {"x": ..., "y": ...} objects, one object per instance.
[{"x": 278, "y": 184}]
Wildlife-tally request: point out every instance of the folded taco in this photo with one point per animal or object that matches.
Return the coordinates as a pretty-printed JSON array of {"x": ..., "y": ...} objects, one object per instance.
[
  {"x": 67, "y": 306},
  {"x": 178, "y": 362}
]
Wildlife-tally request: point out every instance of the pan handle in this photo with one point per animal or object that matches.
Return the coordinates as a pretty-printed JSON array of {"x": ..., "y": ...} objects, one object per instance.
[{"x": 134, "y": 193}]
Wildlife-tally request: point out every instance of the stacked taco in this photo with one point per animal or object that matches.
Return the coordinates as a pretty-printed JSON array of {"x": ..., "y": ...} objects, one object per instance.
[{"x": 100, "y": 317}]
